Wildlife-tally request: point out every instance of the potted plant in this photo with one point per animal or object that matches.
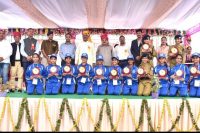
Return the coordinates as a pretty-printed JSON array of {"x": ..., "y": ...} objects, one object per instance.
[{"x": 155, "y": 87}]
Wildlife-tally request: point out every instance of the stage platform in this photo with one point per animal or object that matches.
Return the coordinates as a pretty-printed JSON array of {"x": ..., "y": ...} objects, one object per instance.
[{"x": 22, "y": 112}]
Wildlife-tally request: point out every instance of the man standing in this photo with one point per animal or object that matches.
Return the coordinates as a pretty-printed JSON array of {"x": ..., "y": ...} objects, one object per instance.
[
  {"x": 29, "y": 46},
  {"x": 69, "y": 48},
  {"x": 16, "y": 64},
  {"x": 86, "y": 47},
  {"x": 5, "y": 52},
  {"x": 106, "y": 50},
  {"x": 122, "y": 51},
  {"x": 135, "y": 47},
  {"x": 48, "y": 48}
]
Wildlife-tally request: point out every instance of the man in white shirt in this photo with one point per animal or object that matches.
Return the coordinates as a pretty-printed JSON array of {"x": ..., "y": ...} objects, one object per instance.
[
  {"x": 16, "y": 64},
  {"x": 85, "y": 47},
  {"x": 122, "y": 51},
  {"x": 5, "y": 52}
]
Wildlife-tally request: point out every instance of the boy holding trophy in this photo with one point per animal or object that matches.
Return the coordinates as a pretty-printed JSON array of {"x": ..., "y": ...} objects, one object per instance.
[
  {"x": 68, "y": 73},
  {"x": 179, "y": 76},
  {"x": 195, "y": 76},
  {"x": 85, "y": 73},
  {"x": 114, "y": 81},
  {"x": 54, "y": 76},
  {"x": 100, "y": 77},
  {"x": 130, "y": 80},
  {"x": 34, "y": 74}
]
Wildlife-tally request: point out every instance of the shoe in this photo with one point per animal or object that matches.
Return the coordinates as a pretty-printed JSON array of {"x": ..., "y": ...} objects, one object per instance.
[{"x": 20, "y": 91}]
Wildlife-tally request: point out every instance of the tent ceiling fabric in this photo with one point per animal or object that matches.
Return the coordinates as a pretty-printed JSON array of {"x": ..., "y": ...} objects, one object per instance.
[{"x": 108, "y": 14}]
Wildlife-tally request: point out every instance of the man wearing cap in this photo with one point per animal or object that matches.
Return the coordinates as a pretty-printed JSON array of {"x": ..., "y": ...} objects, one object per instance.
[
  {"x": 69, "y": 74},
  {"x": 100, "y": 76},
  {"x": 130, "y": 80},
  {"x": 85, "y": 74},
  {"x": 176, "y": 49},
  {"x": 48, "y": 48},
  {"x": 54, "y": 76},
  {"x": 122, "y": 51},
  {"x": 135, "y": 47},
  {"x": 195, "y": 76},
  {"x": 16, "y": 63},
  {"x": 29, "y": 46},
  {"x": 105, "y": 49},
  {"x": 5, "y": 53},
  {"x": 162, "y": 71},
  {"x": 67, "y": 47},
  {"x": 86, "y": 47}
]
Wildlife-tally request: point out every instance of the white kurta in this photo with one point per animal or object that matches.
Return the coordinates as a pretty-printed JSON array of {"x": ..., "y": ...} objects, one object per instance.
[
  {"x": 122, "y": 51},
  {"x": 85, "y": 47},
  {"x": 5, "y": 51}
]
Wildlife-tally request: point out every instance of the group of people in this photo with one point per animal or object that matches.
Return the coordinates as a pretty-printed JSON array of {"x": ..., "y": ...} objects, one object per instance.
[{"x": 108, "y": 70}]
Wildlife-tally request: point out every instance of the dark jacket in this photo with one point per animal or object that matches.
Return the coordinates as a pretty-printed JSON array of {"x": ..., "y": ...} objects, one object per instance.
[
  {"x": 12, "y": 57},
  {"x": 135, "y": 51}
]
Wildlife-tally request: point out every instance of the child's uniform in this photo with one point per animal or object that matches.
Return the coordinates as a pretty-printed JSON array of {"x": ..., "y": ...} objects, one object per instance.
[
  {"x": 145, "y": 84},
  {"x": 130, "y": 84},
  {"x": 36, "y": 83},
  {"x": 114, "y": 85},
  {"x": 195, "y": 81},
  {"x": 162, "y": 71},
  {"x": 85, "y": 79},
  {"x": 182, "y": 71},
  {"x": 99, "y": 85},
  {"x": 53, "y": 82},
  {"x": 69, "y": 80}
]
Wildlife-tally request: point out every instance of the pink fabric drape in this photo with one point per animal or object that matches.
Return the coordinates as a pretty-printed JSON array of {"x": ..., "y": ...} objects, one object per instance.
[
  {"x": 160, "y": 12},
  {"x": 96, "y": 10},
  {"x": 34, "y": 13}
]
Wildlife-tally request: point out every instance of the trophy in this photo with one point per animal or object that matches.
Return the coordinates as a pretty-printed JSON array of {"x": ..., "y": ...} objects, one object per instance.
[
  {"x": 36, "y": 72},
  {"x": 179, "y": 73},
  {"x": 126, "y": 71},
  {"x": 99, "y": 72},
  {"x": 53, "y": 70},
  {"x": 193, "y": 71},
  {"x": 174, "y": 51},
  {"x": 114, "y": 74},
  {"x": 82, "y": 70},
  {"x": 67, "y": 69},
  {"x": 162, "y": 73},
  {"x": 145, "y": 47},
  {"x": 141, "y": 72}
]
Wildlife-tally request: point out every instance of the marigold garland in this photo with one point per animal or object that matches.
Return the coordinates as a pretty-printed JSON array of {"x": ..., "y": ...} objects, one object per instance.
[
  {"x": 131, "y": 113},
  {"x": 9, "y": 111},
  {"x": 162, "y": 114},
  {"x": 98, "y": 124},
  {"x": 89, "y": 112},
  {"x": 192, "y": 116},
  {"x": 3, "y": 109},
  {"x": 108, "y": 111},
  {"x": 36, "y": 113}
]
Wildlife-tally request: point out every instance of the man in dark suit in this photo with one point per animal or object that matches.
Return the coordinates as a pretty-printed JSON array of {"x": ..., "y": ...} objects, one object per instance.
[{"x": 135, "y": 47}]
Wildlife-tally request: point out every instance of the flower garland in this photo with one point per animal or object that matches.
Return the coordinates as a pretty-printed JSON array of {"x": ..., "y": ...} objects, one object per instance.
[
  {"x": 3, "y": 110},
  {"x": 62, "y": 108},
  {"x": 11, "y": 117},
  {"x": 98, "y": 124},
  {"x": 148, "y": 115},
  {"x": 178, "y": 117},
  {"x": 162, "y": 115},
  {"x": 71, "y": 115},
  {"x": 131, "y": 113},
  {"x": 108, "y": 112},
  {"x": 36, "y": 113},
  {"x": 47, "y": 114},
  {"x": 192, "y": 116},
  {"x": 120, "y": 115},
  {"x": 79, "y": 115},
  {"x": 198, "y": 117},
  {"x": 24, "y": 105},
  {"x": 89, "y": 112},
  {"x": 141, "y": 116}
]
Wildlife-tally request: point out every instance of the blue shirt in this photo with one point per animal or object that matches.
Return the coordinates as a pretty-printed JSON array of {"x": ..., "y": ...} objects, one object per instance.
[{"x": 67, "y": 48}]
